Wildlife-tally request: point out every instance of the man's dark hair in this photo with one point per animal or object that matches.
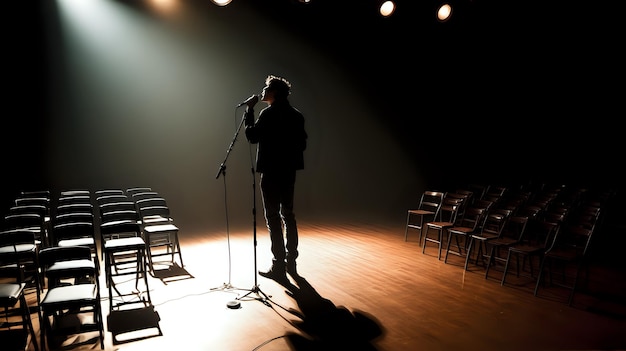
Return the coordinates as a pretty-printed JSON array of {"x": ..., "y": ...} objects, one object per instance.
[{"x": 280, "y": 86}]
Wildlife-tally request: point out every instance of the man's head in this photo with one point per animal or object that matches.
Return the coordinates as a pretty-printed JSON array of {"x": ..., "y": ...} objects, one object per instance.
[{"x": 276, "y": 88}]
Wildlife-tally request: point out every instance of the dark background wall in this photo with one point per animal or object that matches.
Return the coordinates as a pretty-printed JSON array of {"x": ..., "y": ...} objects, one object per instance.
[{"x": 393, "y": 106}]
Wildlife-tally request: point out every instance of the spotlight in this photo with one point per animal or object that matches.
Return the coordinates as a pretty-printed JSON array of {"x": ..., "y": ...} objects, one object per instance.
[
  {"x": 221, "y": 2},
  {"x": 387, "y": 8},
  {"x": 444, "y": 12}
]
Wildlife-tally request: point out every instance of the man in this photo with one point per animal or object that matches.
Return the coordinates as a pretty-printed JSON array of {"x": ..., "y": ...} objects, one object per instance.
[{"x": 281, "y": 138}]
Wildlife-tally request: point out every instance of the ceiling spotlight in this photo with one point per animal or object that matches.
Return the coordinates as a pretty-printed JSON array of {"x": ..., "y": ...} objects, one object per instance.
[
  {"x": 387, "y": 8},
  {"x": 221, "y": 2},
  {"x": 444, "y": 12}
]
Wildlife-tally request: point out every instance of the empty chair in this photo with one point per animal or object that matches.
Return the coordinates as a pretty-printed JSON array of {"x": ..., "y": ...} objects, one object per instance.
[
  {"x": 469, "y": 224},
  {"x": 511, "y": 234},
  {"x": 566, "y": 258},
  {"x": 159, "y": 231},
  {"x": 76, "y": 229},
  {"x": 493, "y": 225},
  {"x": 31, "y": 221},
  {"x": 19, "y": 259},
  {"x": 436, "y": 231},
  {"x": 71, "y": 304},
  {"x": 15, "y": 313},
  {"x": 427, "y": 210},
  {"x": 537, "y": 237},
  {"x": 124, "y": 251}
]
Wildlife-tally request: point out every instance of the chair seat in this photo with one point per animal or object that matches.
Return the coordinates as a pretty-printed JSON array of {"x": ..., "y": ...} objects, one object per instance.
[
  {"x": 71, "y": 265},
  {"x": 523, "y": 248},
  {"x": 124, "y": 244},
  {"x": 160, "y": 228},
  {"x": 422, "y": 212},
  {"x": 77, "y": 242},
  {"x": 68, "y": 295},
  {"x": 461, "y": 230},
  {"x": 10, "y": 293},
  {"x": 439, "y": 225},
  {"x": 18, "y": 249}
]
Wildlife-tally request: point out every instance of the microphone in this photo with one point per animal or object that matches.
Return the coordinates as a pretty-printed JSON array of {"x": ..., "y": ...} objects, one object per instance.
[{"x": 253, "y": 98}]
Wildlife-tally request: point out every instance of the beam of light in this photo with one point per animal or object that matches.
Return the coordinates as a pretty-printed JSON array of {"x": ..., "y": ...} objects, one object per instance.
[{"x": 163, "y": 6}]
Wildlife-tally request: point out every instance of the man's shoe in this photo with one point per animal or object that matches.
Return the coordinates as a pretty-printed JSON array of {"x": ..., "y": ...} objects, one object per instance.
[{"x": 274, "y": 274}]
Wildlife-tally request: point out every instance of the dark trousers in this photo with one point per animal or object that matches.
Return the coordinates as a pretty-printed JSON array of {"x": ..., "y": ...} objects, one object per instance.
[{"x": 277, "y": 190}]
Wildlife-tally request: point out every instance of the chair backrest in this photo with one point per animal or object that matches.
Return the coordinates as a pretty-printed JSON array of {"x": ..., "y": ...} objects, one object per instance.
[
  {"x": 137, "y": 189},
  {"x": 473, "y": 218},
  {"x": 530, "y": 211},
  {"x": 74, "y": 208},
  {"x": 431, "y": 201},
  {"x": 514, "y": 227},
  {"x": 494, "y": 223},
  {"x": 74, "y": 199},
  {"x": 449, "y": 209},
  {"x": 26, "y": 200},
  {"x": 73, "y": 230},
  {"x": 107, "y": 192},
  {"x": 142, "y": 195},
  {"x": 154, "y": 210},
  {"x": 540, "y": 233},
  {"x": 55, "y": 254},
  {"x": 18, "y": 257},
  {"x": 74, "y": 192},
  {"x": 116, "y": 206},
  {"x": 463, "y": 198},
  {"x": 23, "y": 220},
  {"x": 478, "y": 190},
  {"x": 106, "y": 199},
  {"x": 13, "y": 241},
  {"x": 119, "y": 220},
  {"x": 73, "y": 217},
  {"x": 574, "y": 239},
  {"x": 78, "y": 266}
]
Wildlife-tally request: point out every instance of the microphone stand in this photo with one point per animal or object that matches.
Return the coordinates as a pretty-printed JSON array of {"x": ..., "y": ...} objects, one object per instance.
[{"x": 260, "y": 295}]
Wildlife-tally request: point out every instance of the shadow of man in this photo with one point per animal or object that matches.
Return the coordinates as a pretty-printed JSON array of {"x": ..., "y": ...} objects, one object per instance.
[{"x": 329, "y": 327}]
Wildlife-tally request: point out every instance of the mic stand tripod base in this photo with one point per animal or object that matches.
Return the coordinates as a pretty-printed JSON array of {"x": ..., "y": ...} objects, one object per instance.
[
  {"x": 233, "y": 305},
  {"x": 225, "y": 286},
  {"x": 261, "y": 296}
]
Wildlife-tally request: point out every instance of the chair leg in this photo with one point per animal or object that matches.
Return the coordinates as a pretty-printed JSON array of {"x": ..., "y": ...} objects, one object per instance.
[
  {"x": 490, "y": 260},
  {"x": 468, "y": 252},
  {"x": 506, "y": 268},
  {"x": 539, "y": 275},
  {"x": 406, "y": 229},
  {"x": 27, "y": 320}
]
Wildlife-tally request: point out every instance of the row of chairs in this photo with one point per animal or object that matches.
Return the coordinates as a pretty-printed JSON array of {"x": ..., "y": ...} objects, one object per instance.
[
  {"x": 59, "y": 255},
  {"x": 497, "y": 226}
]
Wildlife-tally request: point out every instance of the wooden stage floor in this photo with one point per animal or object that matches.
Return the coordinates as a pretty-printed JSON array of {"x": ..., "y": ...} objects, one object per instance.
[{"x": 364, "y": 288}]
